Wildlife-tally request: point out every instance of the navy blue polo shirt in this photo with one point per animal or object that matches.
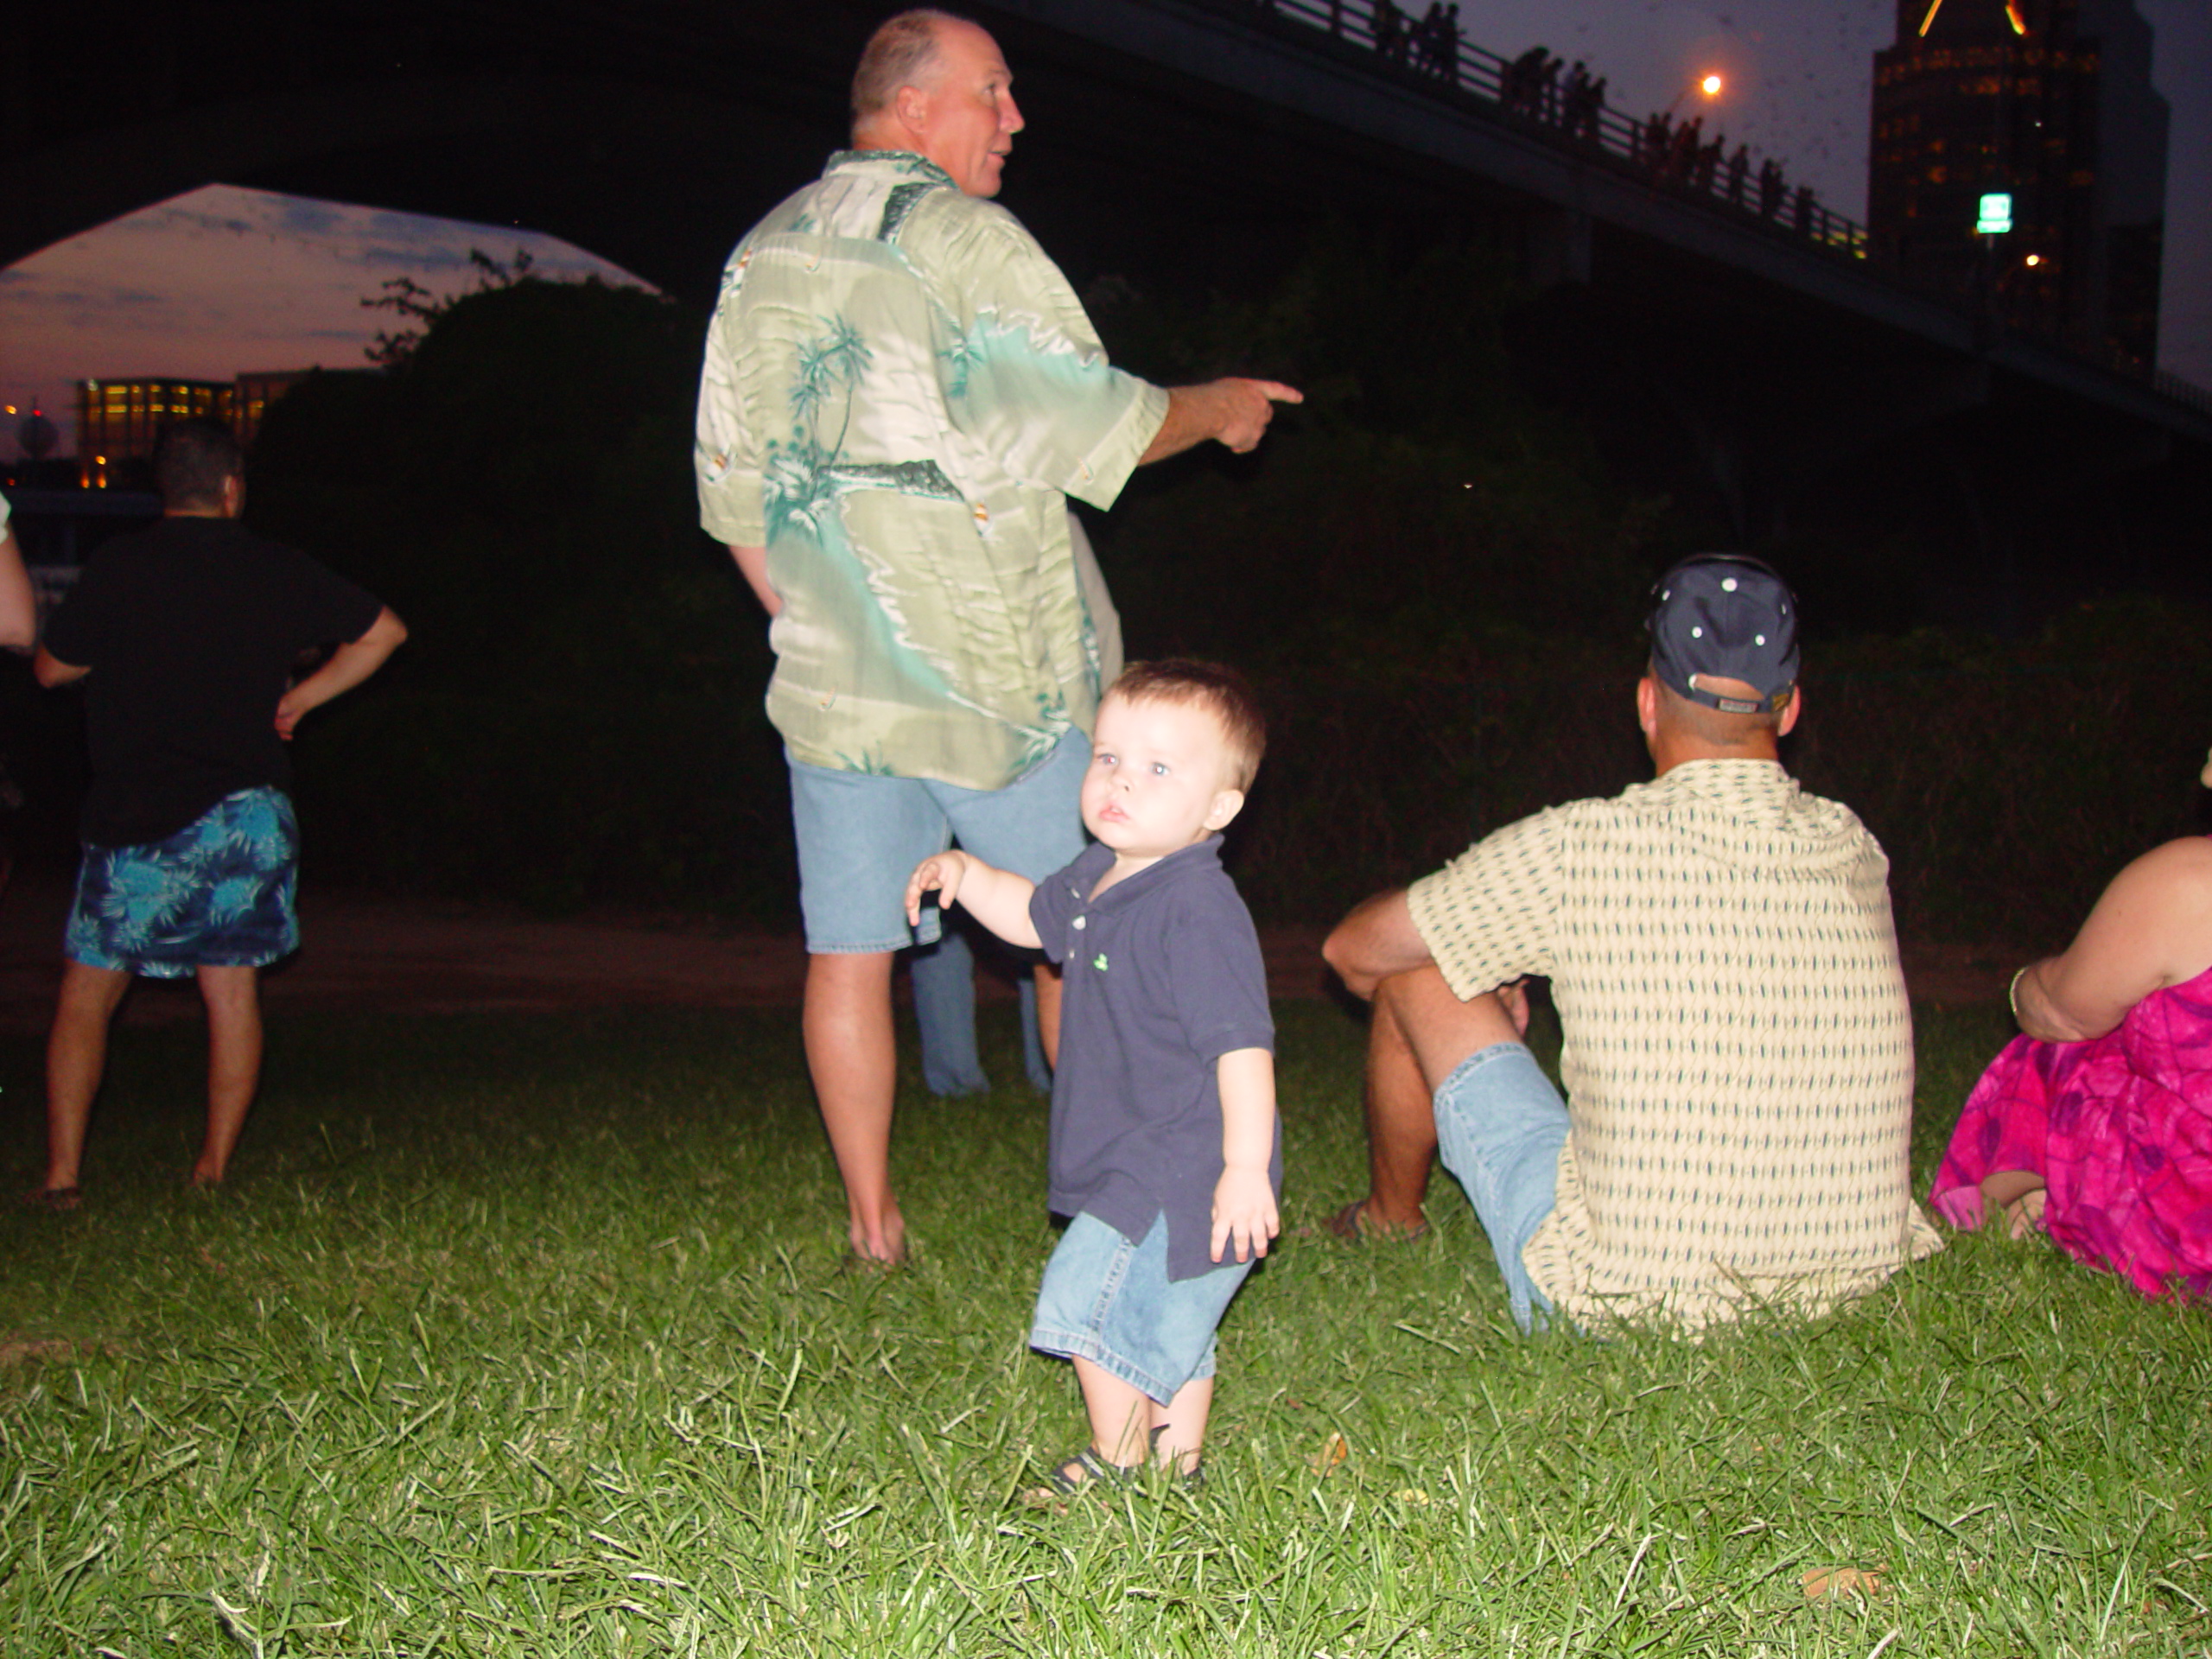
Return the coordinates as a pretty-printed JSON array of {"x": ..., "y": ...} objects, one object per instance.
[{"x": 1163, "y": 976}]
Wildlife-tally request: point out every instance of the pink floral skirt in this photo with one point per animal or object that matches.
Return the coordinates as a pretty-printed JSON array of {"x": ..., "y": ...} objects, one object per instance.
[{"x": 2120, "y": 1129}]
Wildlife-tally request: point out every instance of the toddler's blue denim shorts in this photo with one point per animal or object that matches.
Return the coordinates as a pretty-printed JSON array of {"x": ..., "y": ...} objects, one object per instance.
[
  {"x": 218, "y": 893},
  {"x": 1111, "y": 1302},
  {"x": 1499, "y": 1128},
  {"x": 860, "y": 834}
]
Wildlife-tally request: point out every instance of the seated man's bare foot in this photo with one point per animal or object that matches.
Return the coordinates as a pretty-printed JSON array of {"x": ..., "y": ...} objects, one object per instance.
[
  {"x": 58, "y": 1200},
  {"x": 1355, "y": 1224}
]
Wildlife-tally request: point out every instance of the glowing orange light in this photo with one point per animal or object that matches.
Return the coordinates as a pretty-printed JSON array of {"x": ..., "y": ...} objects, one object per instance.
[
  {"x": 2034, "y": 258},
  {"x": 1710, "y": 85},
  {"x": 2013, "y": 16},
  {"x": 1925, "y": 22}
]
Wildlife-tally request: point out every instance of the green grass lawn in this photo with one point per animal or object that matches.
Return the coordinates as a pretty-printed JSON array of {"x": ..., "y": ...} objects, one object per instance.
[{"x": 533, "y": 1335}]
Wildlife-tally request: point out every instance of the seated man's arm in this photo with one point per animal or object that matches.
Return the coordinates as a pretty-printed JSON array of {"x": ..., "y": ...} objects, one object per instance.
[
  {"x": 2151, "y": 928},
  {"x": 348, "y": 666},
  {"x": 1234, "y": 411},
  {"x": 1377, "y": 940}
]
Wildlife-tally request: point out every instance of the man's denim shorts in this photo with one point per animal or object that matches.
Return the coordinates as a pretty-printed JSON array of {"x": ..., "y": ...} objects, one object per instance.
[
  {"x": 218, "y": 893},
  {"x": 861, "y": 834},
  {"x": 1499, "y": 1128},
  {"x": 1111, "y": 1302}
]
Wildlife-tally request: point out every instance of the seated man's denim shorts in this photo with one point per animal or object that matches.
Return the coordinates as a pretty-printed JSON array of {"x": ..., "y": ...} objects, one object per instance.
[
  {"x": 1111, "y": 1302},
  {"x": 218, "y": 893},
  {"x": 861, "y": 834},
  {"x": 1499, "y": 1128}
]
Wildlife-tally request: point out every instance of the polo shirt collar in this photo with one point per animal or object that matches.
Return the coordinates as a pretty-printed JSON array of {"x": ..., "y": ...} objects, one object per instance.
[{"x": 1098, "y": 858}]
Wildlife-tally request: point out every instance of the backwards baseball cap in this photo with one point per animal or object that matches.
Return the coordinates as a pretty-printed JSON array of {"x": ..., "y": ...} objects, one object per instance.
[{"x": 1725, "y": 616}]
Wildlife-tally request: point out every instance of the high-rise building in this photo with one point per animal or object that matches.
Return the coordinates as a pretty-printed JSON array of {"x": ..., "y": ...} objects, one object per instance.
[
  {"x": 2049, "y": 103},
  {"x": 118, "y": 420}
]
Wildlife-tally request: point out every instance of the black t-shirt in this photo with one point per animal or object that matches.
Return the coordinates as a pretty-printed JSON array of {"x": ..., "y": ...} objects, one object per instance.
[{"x": 191, "y": 630}]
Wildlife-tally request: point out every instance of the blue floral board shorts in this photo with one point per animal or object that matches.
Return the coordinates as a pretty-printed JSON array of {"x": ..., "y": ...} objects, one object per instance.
[
  {"x": 1109, "y": 1300},
  {"x": 218, "y": 893}
]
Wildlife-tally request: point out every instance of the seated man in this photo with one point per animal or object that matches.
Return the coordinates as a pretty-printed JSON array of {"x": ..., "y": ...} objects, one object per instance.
[{"x": 1739, "y": 1050}]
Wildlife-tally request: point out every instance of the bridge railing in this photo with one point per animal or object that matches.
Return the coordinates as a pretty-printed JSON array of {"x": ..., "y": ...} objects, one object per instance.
[{"x": 1571, "y": 113}]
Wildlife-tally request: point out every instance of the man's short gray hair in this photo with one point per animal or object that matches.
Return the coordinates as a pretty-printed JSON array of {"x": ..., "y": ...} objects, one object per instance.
[{"x": 897, "y": 55}]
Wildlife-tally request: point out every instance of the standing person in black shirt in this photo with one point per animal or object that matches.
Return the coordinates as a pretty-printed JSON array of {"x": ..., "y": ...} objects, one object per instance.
[{"x": 186, "y": 636}]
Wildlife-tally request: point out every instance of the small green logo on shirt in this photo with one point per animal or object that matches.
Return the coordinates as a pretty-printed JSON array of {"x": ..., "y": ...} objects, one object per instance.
[{"x": 1099, "y": 962}]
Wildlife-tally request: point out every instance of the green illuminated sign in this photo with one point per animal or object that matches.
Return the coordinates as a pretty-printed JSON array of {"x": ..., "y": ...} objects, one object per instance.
[{"x": 1995, "y": 215}]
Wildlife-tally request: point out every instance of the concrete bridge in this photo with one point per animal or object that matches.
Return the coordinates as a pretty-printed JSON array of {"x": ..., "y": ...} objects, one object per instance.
[{"x": 1750, "y": 342}]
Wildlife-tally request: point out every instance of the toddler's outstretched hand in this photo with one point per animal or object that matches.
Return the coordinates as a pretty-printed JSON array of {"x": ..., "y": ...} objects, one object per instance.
[
  {"x": 943, "y": 872},
  {"x": 1243, "y": 1212}
]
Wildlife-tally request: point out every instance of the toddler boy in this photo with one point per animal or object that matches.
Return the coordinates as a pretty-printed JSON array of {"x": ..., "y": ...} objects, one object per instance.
[{"x": 1164, "y": 1148}]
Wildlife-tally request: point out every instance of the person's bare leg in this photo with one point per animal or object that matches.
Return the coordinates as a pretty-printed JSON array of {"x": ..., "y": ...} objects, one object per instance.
[
  {"x": 1048, "y": 1011},
  {"x": 1179, "y": 1428},
  {"x": 2019, "y": 1193},
  {"x": 851, "y": 1054},
  {"x": 76, "y": 1056},
  {"x": 1420, "y": 1034},
  {"x": 1400, "y": 1127},
  {"x": 1120, "y": 1413},
  {"x": 232, "y": 996}
]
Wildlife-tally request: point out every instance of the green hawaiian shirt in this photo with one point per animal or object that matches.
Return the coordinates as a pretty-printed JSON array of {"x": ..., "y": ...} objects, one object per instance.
[{"x": 900, "y": 390}]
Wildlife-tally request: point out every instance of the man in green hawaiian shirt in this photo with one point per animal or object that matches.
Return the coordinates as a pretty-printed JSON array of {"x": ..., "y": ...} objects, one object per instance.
[{"x": 900, "y": 392}]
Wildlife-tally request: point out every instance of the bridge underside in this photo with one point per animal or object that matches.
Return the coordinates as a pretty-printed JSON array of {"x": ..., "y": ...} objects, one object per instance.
[{"x": 1777, "y": 388}]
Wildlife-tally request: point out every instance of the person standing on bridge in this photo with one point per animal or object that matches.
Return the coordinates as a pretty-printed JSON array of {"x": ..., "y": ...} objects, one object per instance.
[{"x": 900, "y": 390}]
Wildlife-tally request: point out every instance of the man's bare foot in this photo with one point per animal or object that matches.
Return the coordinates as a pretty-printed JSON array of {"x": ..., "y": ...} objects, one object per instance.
[
  {"x": 1355, "y": 1224},
  {"x": 58, "y": 1200},
  {"x": 884, "y": 1247}
]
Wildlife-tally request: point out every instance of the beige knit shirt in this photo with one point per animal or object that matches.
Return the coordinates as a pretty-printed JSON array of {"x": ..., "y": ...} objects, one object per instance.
[{"x": 1738, "y": 1053}]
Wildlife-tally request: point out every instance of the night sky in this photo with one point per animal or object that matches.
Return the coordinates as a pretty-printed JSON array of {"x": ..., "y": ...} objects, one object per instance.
[{"x": 226, "y": 280}]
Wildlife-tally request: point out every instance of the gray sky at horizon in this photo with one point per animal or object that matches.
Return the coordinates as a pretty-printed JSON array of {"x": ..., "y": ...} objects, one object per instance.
[{"x": 223, "y": 281}]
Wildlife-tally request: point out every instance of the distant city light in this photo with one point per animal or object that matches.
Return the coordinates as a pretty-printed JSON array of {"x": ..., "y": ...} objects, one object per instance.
[
  {"x": 2035, "y": 259},
  {"x": 1710, "y": 85}
]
